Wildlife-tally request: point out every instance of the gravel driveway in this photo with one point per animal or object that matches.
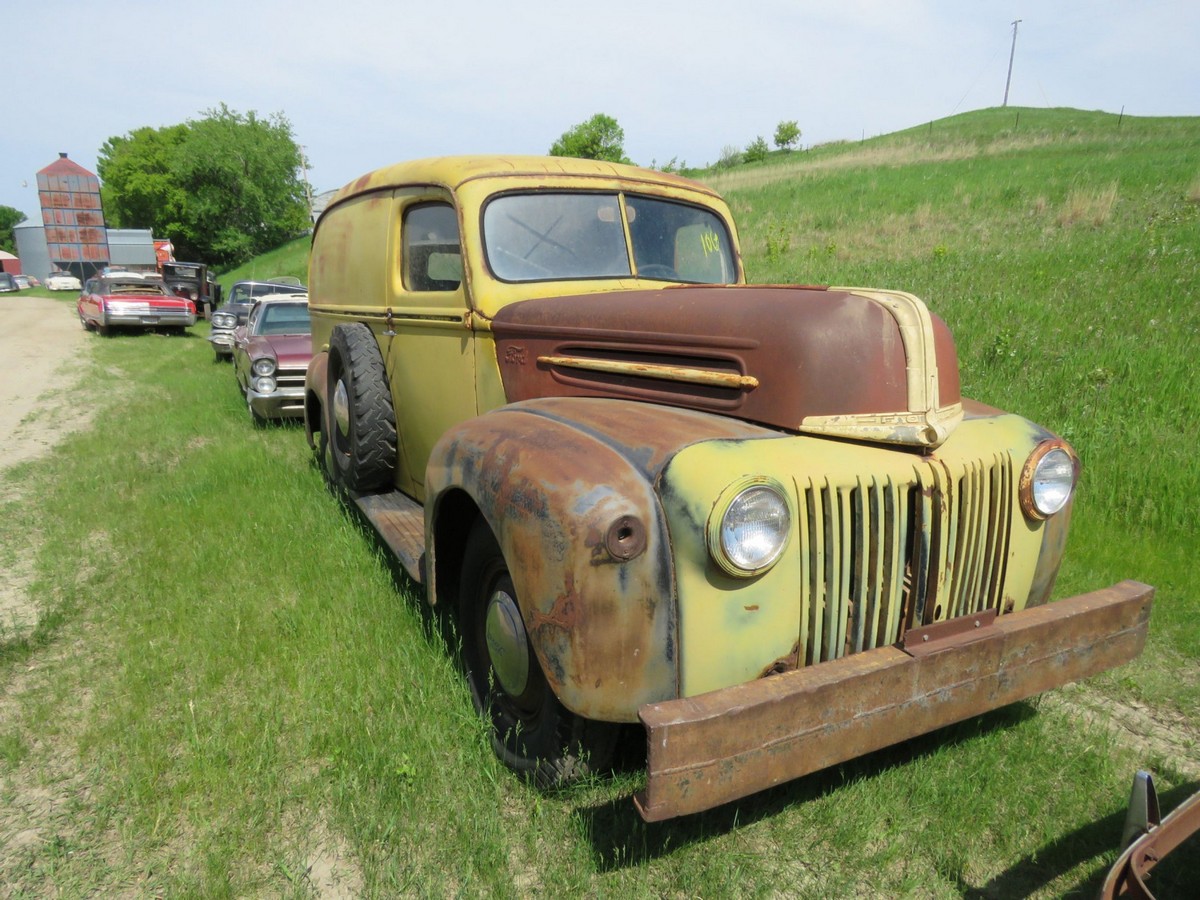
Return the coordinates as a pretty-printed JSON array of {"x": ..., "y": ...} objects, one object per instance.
[{"x": 42, "y": 354}]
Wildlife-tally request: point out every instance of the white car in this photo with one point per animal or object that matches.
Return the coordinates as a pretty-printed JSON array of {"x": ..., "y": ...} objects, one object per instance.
[{"x": 63, "y": 281}]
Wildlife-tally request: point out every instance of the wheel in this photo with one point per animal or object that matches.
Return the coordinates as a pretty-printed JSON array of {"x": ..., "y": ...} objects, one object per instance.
[
  {"x": 532, "y": 732},
  {"x": 360, "y": 421}
]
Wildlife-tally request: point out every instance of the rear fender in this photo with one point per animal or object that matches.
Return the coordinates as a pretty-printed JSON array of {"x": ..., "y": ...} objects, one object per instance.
[
  {"x": 314, "y": 396},
  {"x": 586, "y": 544}
]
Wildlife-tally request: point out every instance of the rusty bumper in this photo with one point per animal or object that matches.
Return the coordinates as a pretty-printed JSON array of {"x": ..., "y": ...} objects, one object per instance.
[{"x": 727, "y": 744}]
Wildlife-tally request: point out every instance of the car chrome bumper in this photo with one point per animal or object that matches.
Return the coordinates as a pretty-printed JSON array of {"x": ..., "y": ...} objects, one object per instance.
[
  {"x": 284, "y": 403},
  {"x": 148, "y": 320},
  {"x": 707, "y": 750},
  {"x": 222, "y": 339}
]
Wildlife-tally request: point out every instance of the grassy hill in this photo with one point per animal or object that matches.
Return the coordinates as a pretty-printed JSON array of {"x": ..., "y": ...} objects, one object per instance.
[{"x": 232, "y": 693}]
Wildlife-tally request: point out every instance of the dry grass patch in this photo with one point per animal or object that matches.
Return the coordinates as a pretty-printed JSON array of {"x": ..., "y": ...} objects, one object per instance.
[
  {"x": 1088, "y": 207},
  {"x": 867, "y": 157}
]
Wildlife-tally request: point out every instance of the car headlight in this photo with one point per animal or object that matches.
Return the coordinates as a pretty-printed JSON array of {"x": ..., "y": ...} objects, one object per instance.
[
  {"x": 224, "y": 320},
  {"x": 264, "y": 384},
  {"x": 263, "y": 367},
  {"x": 1048, "y": 479},
  {"x": 749, "y": 527}
]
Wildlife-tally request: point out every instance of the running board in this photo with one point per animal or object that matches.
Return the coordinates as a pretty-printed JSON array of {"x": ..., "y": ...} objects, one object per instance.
[{"x": 399, "y": 521}]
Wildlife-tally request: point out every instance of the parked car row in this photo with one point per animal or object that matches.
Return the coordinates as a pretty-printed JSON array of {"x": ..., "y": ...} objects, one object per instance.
[{"x": 264, "y": 329}]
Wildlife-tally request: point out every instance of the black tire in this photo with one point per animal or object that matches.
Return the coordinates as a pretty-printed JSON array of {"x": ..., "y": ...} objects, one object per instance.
[
  {"x": 360, "y": 424},
  {"x": 532, "y": 732}
]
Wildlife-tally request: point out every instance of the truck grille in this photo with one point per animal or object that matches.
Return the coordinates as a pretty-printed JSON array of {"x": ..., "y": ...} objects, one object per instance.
[{"x": 884, "y": 556}]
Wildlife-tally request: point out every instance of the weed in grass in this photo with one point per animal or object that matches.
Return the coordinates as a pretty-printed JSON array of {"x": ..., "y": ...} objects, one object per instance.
[{"x": 779, "y": 242}]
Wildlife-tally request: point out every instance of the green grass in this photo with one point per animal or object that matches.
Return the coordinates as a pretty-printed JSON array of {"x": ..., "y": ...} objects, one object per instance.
[
  {"x": 290, "y": 259},
  {"x": 230, "y": 683}
]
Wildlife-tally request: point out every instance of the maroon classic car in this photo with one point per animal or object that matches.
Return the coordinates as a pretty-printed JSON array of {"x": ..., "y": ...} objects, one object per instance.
[
  {"x": 271, "y": 354},
  {"x": 129, "y": 299}
]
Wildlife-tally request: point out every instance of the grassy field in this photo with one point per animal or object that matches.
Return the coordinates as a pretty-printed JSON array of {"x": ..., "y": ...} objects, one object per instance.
[{"x": 231, "y": 692}]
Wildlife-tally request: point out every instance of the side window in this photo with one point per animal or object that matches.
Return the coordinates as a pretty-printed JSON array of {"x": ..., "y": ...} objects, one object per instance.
[{"x": 432, "y": 259}]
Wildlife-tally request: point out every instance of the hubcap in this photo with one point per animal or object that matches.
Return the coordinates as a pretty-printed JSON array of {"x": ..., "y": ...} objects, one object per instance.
[
  {"x": 507, "y": 645},
  {"x": 341, "y": 408}
]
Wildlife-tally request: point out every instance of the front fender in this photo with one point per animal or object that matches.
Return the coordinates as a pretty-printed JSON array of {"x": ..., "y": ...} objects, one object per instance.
[{"x": 586, "y": 543}]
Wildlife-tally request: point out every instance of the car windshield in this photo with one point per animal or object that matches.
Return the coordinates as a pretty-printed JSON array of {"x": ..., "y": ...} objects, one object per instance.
[
  {"x": 550, "y": 236},
  {"x": 283, "y": 318}
]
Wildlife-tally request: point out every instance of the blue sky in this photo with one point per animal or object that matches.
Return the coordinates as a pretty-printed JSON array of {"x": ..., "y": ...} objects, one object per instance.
[{"x": 365, "y": 83}]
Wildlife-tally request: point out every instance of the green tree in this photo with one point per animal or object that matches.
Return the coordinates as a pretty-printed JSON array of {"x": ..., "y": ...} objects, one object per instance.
[
  {"x": 600, "y": 137},
  {"x": 9, "y": 219},
  {"x": 138, "y": 184},
  {"x": 786, "y": 135},
  {"x": 241, "y": 177},
  {"x": 756, "y": 150},
  {"x": 223, "y": 188}
]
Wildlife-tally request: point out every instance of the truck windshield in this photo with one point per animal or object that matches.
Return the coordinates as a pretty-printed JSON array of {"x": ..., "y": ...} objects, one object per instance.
[{"x": 554, "y": 236}]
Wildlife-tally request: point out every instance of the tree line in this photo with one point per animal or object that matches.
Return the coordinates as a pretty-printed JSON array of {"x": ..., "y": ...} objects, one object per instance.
[{"x": 227, "y": 187}]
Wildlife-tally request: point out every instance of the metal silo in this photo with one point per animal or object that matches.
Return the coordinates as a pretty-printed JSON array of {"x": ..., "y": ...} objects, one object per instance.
[{"x": 76, "y": 240}]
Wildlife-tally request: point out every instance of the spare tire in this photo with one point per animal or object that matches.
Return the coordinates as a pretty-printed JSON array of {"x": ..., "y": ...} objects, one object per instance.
[{"x": 359, "y": 420}]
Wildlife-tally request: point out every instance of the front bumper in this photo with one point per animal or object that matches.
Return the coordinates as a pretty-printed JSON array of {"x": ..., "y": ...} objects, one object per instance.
[
  {"x": 716, "y": 747},
  {"x": 222, "y": 341},
  {"x": 282, "y": 403}
]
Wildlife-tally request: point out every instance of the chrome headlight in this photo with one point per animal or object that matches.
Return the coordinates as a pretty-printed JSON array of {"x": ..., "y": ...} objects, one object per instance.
[
  {"x": 264, "y": 385},
  {"x": 263, "y": 367},
  {"x": 224, "y": 320},
  {"x": 749, "y": 527},
  {"x": 1048, "y": 479}
]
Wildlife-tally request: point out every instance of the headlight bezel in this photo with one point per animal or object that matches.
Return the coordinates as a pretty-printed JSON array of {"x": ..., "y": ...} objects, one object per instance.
[
  {"x": 737, "y": 496},
  {"x": 263, "y": 366},
  {"x": 265, "y": 384},
  {"x": 1048, "y": 458}
]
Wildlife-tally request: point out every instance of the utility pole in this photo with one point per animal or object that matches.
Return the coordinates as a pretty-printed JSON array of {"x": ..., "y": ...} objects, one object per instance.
[{"x": 1011, "y": 54}]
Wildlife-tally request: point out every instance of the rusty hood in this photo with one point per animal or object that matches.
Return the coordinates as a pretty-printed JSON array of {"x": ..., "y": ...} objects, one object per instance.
[{"x": 847, "y": 362}]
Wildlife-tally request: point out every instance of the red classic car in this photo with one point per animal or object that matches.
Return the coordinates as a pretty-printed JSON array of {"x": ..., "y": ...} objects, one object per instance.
[
  {"x": 133, "y": 300},
  {"x": 271, "y": 353}
]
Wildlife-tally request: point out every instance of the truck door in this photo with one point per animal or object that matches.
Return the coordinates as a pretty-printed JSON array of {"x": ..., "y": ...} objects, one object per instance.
[{"x": 429, "y": 358}]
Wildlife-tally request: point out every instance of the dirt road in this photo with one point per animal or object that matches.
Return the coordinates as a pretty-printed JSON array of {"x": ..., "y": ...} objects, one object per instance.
[
  {"x": 41, "y": 344},
  {"x": 43, "y": 351}
]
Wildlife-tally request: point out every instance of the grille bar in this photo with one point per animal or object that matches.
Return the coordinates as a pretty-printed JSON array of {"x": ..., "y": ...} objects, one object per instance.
[{"x": 884, "y": 555}]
